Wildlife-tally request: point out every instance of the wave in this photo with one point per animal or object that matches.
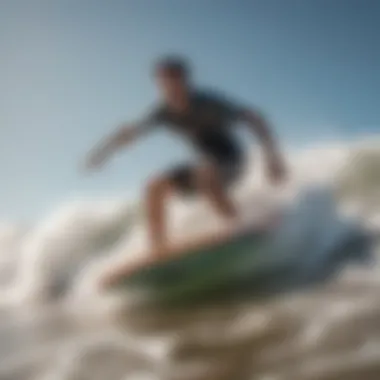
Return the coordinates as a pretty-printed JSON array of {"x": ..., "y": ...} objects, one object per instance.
[
  {"x": 361, "y": 176},
  {"x": 64, "y": 254}
]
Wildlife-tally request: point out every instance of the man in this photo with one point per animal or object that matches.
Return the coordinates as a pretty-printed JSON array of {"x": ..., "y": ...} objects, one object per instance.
[{"x": 206, "y": 121}]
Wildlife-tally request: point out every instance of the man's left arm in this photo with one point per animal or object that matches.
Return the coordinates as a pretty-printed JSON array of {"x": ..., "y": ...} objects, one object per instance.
[{"x": 260, "y": 127}]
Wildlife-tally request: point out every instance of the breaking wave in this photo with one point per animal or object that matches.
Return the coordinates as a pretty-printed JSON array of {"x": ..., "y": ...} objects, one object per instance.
[{"x": 60, "y": 258}]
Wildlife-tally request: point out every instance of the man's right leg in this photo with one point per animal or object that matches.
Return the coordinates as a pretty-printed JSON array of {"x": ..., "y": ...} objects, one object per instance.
[{"x": 179, "y": 179}]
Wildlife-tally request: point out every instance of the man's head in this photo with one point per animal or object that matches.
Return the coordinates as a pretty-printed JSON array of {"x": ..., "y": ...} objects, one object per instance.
[{"x": 172, "y": 75}]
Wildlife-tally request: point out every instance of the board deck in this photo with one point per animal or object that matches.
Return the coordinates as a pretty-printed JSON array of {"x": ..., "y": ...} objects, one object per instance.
[
  {"x": 202, "y": 269},
  {"x": 183, "y": 256}
]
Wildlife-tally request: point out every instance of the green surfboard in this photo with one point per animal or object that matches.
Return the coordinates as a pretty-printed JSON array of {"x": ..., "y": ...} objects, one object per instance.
[
  {"x": 310, "y": 235},
  {"x": 197, "y": 273}
]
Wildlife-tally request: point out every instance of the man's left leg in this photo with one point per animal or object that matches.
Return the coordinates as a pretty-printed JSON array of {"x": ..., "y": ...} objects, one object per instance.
[{"x": 212, "y": 183}]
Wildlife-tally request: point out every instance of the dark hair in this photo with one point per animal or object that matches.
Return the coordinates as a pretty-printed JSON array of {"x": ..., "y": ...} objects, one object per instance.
[{"x": 173, "y": 65}]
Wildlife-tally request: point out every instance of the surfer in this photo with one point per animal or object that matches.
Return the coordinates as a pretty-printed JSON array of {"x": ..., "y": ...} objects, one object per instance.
[{"x": 206, "y": 120}]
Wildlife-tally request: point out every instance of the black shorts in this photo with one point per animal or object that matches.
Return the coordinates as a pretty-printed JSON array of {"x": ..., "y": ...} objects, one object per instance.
[{"x": 183, "y": 177}]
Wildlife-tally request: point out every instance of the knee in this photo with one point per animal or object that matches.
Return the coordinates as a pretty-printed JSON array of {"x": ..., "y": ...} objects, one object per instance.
[
  {"x": 158, "y": 187},
  {"x": 206, "y": 175}
]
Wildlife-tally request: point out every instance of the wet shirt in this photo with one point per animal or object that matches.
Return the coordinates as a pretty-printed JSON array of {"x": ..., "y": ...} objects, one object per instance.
[{"x": 206, "y": 124}]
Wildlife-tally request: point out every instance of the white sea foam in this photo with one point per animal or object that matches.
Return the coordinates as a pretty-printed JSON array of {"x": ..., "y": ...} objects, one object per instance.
[{"x": 62, "y": 256}]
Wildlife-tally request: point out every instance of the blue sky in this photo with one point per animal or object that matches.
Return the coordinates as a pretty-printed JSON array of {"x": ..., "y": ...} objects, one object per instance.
[{"x": 70, "y": 70}]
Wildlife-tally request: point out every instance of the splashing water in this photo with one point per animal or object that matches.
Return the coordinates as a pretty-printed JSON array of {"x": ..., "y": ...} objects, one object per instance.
[{"x": 56, "y": 324}]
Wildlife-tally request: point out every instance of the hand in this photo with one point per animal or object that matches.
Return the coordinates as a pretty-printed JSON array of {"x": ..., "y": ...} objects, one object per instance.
[
  {"x": 276, "y": 170},
  {"x": 95, "y": 161}
]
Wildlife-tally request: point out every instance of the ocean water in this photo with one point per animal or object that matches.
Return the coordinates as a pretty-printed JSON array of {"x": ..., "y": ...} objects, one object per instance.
[{"x": 55, "y": 322}]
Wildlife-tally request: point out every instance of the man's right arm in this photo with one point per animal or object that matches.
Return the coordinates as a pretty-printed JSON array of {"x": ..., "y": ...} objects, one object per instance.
[{"x": 124, "y": 136}]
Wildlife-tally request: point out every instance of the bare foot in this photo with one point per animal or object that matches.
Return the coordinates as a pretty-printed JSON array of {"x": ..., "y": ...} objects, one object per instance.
[{"x": 113, "y": 276}]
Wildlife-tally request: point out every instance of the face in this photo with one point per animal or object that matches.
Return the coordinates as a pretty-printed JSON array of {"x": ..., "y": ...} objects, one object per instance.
[{"x": 171, "y": 85}]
